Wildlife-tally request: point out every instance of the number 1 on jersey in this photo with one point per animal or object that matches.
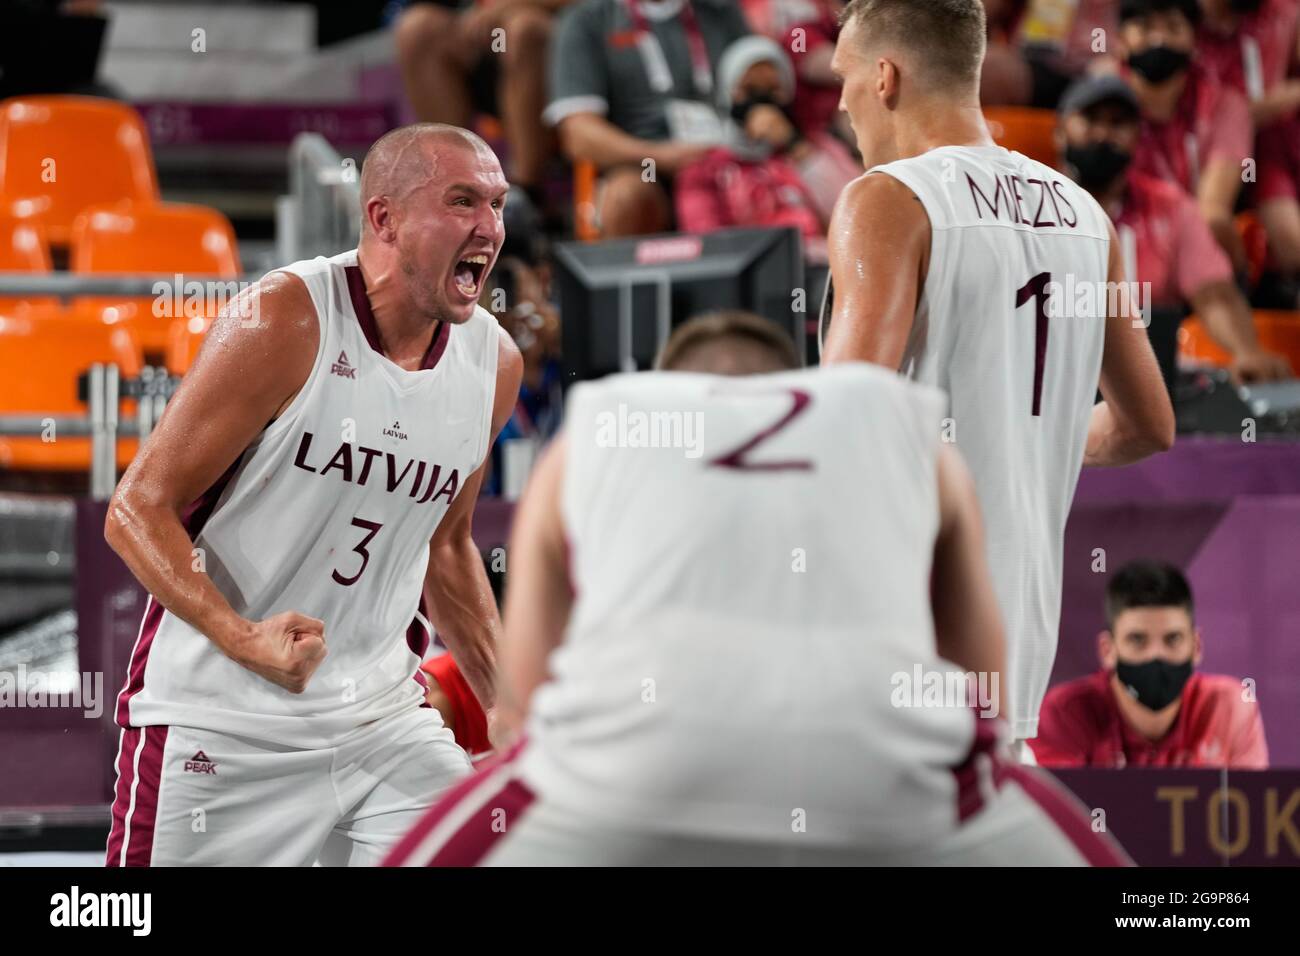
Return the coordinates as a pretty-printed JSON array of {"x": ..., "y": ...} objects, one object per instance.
[{"x": 1036, "y": 288}]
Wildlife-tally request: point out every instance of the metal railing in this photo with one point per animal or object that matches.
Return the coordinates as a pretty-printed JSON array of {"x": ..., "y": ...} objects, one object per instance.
[{"x": 104, "y": 390}]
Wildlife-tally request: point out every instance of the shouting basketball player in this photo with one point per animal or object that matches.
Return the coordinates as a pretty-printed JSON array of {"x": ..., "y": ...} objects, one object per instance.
[
  {"x": 311, "y": 481},
  {"x": 707, "y": 639},
  {"x": 998, "y": 280}
]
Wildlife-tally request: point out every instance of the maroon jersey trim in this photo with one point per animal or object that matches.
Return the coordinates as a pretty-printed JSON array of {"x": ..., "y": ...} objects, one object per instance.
[{"x": 369, "y": 328}]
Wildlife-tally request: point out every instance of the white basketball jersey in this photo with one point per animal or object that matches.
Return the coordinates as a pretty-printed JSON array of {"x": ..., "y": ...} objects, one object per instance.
[
  {"x": 1020, "y": 372},
  {"x": 751, "y": 561},
  {"x": 329, "y": 512}
]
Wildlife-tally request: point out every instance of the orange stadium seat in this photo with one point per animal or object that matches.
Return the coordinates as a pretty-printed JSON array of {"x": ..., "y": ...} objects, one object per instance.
[
  {"x": 1255, "y": 241},
  {"x": 1025, "y": 130},
  {"x": 1278, "y": 331},
  {"x": 585, "y": 175},
  {"x": 60, "y": 154},
  {"x": 42, "y": 353},
  {"x": 164, "y": 238},
  {"x": 23, "y": 248}
]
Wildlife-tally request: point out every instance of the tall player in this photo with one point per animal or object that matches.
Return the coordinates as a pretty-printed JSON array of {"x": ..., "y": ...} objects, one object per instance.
[
  {"x": 733, "y": 660},
  {"x": 998, "y": 280},
  {"x": 311, "y": 480}
]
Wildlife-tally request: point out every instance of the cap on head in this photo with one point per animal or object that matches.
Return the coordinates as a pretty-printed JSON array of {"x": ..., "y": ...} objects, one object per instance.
[
  {"x": 728, "y": 341},
  {"x": 1091, "y": 90}
]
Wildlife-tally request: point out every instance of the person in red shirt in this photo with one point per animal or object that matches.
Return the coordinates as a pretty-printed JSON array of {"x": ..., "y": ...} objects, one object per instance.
[
  {"x": 449, "y": 693},
  {"x": 1148, "y": 706},
  {"x": 1194, "y": 132},
  {"x": 1251, "y": 46},
  {"x": 1165, "y": 242}
]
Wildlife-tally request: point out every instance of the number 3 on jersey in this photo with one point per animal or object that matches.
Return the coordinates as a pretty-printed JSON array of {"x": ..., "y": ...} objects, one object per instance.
[
  {"x": 372, "y": 529},
  {"x": 1036, "y": 288}
]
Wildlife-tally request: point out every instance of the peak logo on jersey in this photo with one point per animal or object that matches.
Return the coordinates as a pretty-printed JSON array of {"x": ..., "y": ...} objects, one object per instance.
[
  {"x": 396, "y": 431},
  {"x": 343, "y": 367},
  {"x": 341, "y": 462},
  {"x": 200, "y": 763}
]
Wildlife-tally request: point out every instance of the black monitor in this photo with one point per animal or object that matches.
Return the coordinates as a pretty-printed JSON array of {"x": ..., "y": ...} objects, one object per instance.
[{"x": 620, "y": 299}]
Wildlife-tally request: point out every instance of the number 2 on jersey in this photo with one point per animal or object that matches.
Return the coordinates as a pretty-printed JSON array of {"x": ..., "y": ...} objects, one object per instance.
[
  {"x": 372, "y": 529},
  {"x": 1036, "y": 288}
]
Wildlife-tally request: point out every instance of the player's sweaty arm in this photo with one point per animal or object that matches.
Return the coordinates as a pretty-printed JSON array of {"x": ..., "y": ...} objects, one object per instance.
[
  {"x": 538, "y": 595},
  {"x": 967, "y": 623},
  {"x": 1135, "y": 419},
  {"x": 879, "y": 251},
  {"x": 461, "y": 606},
  {"x": 257, "y": 355}
]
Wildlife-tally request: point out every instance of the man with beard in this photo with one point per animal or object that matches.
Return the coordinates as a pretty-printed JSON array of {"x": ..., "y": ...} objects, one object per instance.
[
  {"x": 1148, "y": 706},
  {"x": 338, "y": 416},
  {"x": 1164, "y": 239}
]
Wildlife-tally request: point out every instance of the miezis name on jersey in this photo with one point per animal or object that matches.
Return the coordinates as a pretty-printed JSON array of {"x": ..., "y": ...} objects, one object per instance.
[
  {"x": 1015, "y": 195},
  {"x": 394, "y": 480}
]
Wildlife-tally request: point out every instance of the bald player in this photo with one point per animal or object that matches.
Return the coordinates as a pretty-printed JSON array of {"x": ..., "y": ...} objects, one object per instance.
[
  {"x": 299, "y": 518},
  {"x": 997, "y": 280},
  {"x": 707, "y": 663}
]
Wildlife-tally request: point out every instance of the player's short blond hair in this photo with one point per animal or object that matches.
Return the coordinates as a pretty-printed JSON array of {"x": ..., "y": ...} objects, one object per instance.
[
  {"x": 726, "y": 323},
  {"x": 947, "y": 36}
]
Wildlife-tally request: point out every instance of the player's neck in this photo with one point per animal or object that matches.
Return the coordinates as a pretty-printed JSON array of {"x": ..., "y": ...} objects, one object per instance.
[
  {"x": 932, "y": 126},
  {"x": 404, "y": 332},
  {"x": 1159, "y": 101},
  {"x": 1151, "y": 724}
]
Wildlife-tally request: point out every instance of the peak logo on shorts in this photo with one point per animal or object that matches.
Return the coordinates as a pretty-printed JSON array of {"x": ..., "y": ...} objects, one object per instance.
[
  {"x": 200, "y": 763},
  {"x": 343, "y": 367}
]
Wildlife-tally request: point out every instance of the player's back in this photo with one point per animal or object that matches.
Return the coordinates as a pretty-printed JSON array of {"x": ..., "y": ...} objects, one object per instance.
[
  {"x": 745, "y": 601},
  {"x": 1011, "y": 325}
]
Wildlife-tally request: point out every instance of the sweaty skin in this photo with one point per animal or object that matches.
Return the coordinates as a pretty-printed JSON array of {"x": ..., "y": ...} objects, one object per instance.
[{"x": 434, "y": 197}]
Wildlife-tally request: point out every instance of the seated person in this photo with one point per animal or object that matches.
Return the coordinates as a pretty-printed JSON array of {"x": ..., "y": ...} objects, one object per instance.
[
  {"x": 1194, "y": 132},
  {"x": 1148, "y": 706},
  {"x": 1036, "y": 48},
  {"x": 451, "y": 67},
  {"x": 631, "y": 81},
  {"x": 1165, "y": 240},
  {"x": 1251, "y": 46}
]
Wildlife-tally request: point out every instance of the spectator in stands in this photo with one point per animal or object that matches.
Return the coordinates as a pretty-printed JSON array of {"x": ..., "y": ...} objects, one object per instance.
[
  {"x": 632, "y": 91},
  {"x": 1251, "y": 46},
  {"x": 1035, "y": 50},
  {"x": 452, "y": 65},
  {"x": 771, "y": 172},
  {"x": 1148, "y": 706},
  {"x": 1194, "y": 132},
  {"x": 1162, "y": 234}
]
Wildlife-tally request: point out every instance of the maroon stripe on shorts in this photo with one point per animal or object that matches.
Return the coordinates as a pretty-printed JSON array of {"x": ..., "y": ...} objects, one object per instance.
[
  {"x": 473, "y": 841},
  {"x": 970, "y": 799},
  {"x": 1069, "y": 816},
  {"x": 133, "y": 824},
  {"x": 153, "y": 614}
]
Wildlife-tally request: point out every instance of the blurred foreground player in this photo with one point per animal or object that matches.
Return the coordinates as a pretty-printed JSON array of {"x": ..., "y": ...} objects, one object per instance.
[
  {"x": 1149, "y": 705},
  {"x": 705, "y": 638},
  {"x": 337, "y": 416},
  {"x": 997, "y": 280}
]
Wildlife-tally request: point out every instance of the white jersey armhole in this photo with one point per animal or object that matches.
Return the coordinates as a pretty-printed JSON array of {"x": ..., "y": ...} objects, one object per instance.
[{"x": 290, "y": 414}]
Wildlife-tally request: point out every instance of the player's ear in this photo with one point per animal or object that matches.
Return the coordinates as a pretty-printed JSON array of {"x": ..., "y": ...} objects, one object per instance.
[
  {"x": 380, "y": 219},
  {"x": 1106, "y": 653},
  {"x": 887, "y": 82}
]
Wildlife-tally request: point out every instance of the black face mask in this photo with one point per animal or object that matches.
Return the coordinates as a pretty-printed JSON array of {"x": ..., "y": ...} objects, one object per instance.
[
  {"x": 1156, "y": 684},
  {"x": 1245, "y": 6},
  {"x": 1156, "y": 64},
  {"x": 1097, "y": 164},
  {"x": 740, "y": 108}
]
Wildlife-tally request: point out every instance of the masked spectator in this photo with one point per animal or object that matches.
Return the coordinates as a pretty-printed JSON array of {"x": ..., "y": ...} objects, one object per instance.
[
  {"x": 1148, "y": 706},
  {"x": 632, "y": 81},
  {"x": 1195, "y": 132},
  {"x": 1164, "y": 240}
]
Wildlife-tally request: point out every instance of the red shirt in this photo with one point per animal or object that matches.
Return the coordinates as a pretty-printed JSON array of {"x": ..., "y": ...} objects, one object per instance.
[
  {"x": 1210, "y": 122},
  {"x": 469, "y": 722},
  {"x": 1165, "y": 241},
  {"x": 1256, "y": 56},
  {"x": 1080, "y": 726}
]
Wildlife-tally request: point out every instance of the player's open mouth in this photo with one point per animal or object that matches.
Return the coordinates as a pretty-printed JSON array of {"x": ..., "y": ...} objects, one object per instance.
[{"x": 469, "y": 275}]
